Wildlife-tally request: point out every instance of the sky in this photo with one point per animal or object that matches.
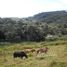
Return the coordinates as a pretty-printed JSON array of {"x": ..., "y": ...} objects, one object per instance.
[{"x": 26, "y": 8}]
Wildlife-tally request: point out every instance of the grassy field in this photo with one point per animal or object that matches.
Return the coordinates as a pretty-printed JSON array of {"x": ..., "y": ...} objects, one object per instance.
[{"x": 55, "y": 57}]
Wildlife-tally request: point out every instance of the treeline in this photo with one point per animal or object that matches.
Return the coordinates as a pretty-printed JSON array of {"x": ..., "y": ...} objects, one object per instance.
[{"x": 16, "y": 30}]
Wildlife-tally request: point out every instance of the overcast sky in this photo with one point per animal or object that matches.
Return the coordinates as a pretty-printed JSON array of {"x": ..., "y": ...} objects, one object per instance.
[{"x": 25, "y": 8}]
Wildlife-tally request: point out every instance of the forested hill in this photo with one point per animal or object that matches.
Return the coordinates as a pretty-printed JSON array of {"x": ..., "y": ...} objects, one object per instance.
[
  {"x": 49, "y": 17},
  {"x": 34, "y": 28}
]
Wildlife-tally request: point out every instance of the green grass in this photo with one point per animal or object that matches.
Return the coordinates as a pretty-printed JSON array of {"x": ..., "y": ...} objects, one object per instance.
[{"x": 55, "y": 57}]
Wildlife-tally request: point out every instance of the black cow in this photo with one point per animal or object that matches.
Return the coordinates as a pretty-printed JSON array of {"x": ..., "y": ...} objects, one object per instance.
[{"x": 20, "y": 54}]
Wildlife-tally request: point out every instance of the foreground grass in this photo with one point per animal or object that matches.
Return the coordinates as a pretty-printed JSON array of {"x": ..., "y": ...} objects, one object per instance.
[{"x": 56, "y": 56}]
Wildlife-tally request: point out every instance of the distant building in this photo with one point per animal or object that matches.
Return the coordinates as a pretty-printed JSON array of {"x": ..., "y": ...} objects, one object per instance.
[{"x": 49, "y": 36}]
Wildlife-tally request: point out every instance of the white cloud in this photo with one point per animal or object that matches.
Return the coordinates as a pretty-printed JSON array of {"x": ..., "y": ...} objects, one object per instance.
[
  {"x": 15, "y": 7},
  {"x": 63, "y": 2},
  {"x": 24, "y": 8}
]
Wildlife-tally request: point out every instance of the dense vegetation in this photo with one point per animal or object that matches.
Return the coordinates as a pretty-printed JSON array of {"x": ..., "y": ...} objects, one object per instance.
[{"x": 34, "y": 28}]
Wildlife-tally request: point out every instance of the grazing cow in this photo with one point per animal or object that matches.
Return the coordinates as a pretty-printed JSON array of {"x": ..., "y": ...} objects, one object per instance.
[
  {"x": 20, "y": 54},
  {"x": 42, "y": 50},
  {"x": 33, "y": 50},
  {"x": 29, "y": 50}
]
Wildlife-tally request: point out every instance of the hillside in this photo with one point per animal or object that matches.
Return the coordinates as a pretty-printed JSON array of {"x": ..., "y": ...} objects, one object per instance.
[
  {"x": 49, "y": 17},
  {"x": 34, "y": 28},
  {"x": 32, "y": 35}
]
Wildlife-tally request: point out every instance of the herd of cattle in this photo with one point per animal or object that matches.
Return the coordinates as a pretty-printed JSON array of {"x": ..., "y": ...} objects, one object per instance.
[{"x": 22, "y": 54}]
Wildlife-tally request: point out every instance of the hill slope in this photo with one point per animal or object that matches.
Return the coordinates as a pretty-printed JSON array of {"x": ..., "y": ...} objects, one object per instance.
[{"x": 49, "y": 17}]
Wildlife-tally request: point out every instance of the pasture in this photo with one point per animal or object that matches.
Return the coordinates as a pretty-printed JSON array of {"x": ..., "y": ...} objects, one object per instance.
[{"x": 55, "y": 57}]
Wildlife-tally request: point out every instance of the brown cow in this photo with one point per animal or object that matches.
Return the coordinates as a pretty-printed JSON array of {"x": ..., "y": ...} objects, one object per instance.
[
  {"x": 33, "y": 50},
  {"x": 42, "y": 50},
  {"x": 29, "y": 50}
]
